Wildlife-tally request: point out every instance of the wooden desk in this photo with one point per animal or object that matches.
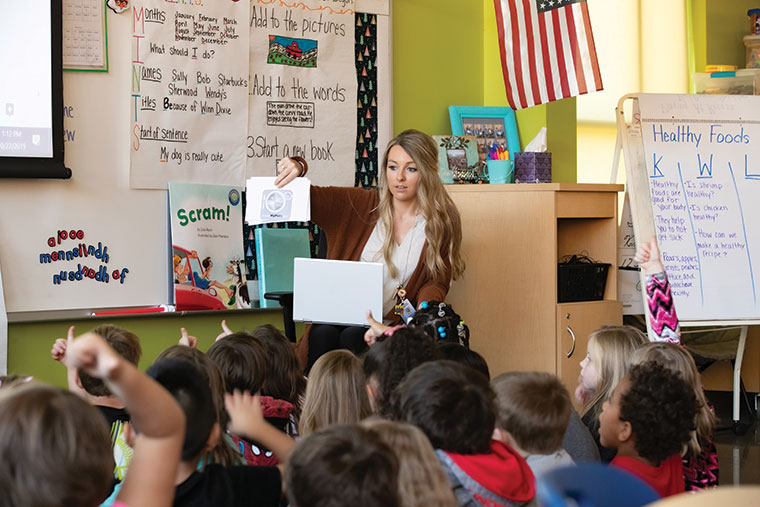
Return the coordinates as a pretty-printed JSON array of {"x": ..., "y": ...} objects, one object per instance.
[{"x": 513, "y": 236}]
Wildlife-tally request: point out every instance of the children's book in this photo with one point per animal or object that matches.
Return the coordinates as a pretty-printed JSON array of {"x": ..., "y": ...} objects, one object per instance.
[
  {"x": 275, "y": 251},
  {"x": 207, "y": 247}
]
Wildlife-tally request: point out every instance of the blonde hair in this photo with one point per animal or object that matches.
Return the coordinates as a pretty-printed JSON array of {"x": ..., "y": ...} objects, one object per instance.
[
  {"x": 336, "y": 393},
  {"x": 443, "y": 230},
  {"x": 610, "y": 349},
  {"x": 677, "y": 359},
  {"x": 422, "y": 481}
]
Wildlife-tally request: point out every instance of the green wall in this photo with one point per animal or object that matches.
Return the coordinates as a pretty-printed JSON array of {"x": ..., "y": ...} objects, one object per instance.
[{"x": 727, "y": 24}]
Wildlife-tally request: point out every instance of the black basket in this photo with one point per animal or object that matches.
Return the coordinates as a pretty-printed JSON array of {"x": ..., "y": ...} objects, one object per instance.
[{"x": 581, "y": 281}]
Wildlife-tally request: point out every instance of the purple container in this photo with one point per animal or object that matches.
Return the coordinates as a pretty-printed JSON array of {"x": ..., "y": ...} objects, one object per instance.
[{"x": 533, "y": 167}]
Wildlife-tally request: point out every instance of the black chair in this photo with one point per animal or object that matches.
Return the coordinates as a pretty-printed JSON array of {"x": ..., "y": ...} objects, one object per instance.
[{"x": 285, "y": 299}]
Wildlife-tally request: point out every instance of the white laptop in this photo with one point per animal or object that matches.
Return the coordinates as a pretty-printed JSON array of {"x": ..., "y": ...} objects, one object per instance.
[{"x": 337, "y": 292}]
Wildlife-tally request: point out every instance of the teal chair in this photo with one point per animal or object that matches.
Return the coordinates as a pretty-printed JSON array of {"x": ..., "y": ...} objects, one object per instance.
[{"x": 592, "y": 485}]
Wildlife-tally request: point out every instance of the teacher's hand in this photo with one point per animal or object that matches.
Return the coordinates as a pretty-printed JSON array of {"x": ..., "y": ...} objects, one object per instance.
[
  {"x": 375, "y": 330},
  {"x": 287, "y": 170}
]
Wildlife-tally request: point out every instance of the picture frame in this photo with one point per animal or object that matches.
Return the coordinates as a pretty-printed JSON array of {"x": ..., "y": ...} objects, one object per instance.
[
  {"x": 456, "y": 156},
  {"x": 489, "y": 126}
]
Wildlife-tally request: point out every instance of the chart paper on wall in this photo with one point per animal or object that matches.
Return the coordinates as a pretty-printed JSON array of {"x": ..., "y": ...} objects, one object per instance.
[
  {"x": 189, "y": 92},
  {"x": 303, "y": 94}
]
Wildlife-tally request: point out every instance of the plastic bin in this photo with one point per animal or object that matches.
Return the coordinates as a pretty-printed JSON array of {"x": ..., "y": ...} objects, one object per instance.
[
  {"x": 581, "y": 281},
  {"x": 741, "y": 82},
  {"x": 753, "y": 51}
]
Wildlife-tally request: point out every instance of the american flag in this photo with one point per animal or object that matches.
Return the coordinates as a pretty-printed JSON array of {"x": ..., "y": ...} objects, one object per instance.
[{"x": 547, "y": 50}]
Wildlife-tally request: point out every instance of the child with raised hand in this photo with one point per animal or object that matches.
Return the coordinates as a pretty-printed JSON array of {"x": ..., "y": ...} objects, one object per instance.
[
  {"x": 455, "y": 407},
  {"x": 336, "y": 393},
  {"x": 648, "y": 420},
  {"x": 700, "y": 459},
  {"x": 57, "y": 451},
  {"x": 533, "y": 410},
  {"x": 662, "y": 312},
  {"x": 217, "y": 485},
  {"x": 127, "y": 345}
]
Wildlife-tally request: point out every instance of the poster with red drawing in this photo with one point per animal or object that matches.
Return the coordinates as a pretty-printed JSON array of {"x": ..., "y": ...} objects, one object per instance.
[
  {"x": 189, "y": 92},
  {"x": 303, "y": 93}
]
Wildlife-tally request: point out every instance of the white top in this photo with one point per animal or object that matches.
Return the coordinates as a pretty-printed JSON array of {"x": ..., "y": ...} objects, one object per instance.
[
  {"x": 405, "y": 258},
  {"x": 543, "y": 463}
]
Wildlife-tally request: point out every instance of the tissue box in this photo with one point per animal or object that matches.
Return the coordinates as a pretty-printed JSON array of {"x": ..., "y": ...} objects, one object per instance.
[{"x": 533, "y": 167}]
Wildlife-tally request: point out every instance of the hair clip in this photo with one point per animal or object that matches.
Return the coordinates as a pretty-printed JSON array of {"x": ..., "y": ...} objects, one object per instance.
[
  {"x": 424, "y": 305},
  {"x": 460, "y": 329},
  {"x": 441, "y": 306},
  {"x": 442, "y": 331}
]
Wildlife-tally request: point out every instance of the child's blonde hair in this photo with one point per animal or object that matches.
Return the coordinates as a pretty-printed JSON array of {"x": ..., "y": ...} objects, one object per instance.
[
  {"x": 421, "y": 480},
  {"x": 336, "y": 393},
  {"x": 610, "y": 349},
  {"x": 677, "y": 359},
  {"x": 55, "y": 447}
]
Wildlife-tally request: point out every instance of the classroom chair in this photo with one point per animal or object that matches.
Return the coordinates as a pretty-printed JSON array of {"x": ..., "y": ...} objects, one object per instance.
[
  {"x": 734, "y": 496},
  {"x": 592, "y": 485}
]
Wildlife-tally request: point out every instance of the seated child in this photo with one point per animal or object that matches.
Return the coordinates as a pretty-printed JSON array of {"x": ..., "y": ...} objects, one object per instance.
[
  {"x": 421, "y": 481},
  {"x": 336, "y": 393},
  {"x": 242, "y": 359},
  {"x": 454, "y": 406},
  {"x": 648, "y": 420},
  {"x": 462, "y": 355},
  {"x": 57, "y": 451},
  {"x": 533, "y": 412},
  {"x": 344, "y": 464},
  {"x": 387, "y": 362},
  {"x": 94, "y": 390},
  {"x": 217, "y": 485}
]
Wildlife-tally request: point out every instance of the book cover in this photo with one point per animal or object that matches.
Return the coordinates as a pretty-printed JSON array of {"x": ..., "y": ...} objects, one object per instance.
[
  {"x": 207, "y": 247},
  {"x": 275, "y": 251}
]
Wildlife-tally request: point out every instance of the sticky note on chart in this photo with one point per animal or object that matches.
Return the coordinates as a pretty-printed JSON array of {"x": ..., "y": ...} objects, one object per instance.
[{"x": 268, "y": 204}]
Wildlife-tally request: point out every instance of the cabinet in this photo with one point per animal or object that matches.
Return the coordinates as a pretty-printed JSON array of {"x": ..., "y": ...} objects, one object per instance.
[{"x": 513, "y": 236}]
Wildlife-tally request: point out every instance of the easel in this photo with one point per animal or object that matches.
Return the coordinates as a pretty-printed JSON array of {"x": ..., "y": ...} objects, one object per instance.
[{"x": 629, "y": 142}]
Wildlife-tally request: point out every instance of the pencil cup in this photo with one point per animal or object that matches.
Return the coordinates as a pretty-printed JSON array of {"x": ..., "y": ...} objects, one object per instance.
[{"x": 501, "y": 171}]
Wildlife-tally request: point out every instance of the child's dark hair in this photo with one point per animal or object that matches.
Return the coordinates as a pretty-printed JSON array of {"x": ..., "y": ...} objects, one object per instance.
[
  {"x": 451, "y": 403},
  {"x": 439, "y": 321},
  {"x": 661, "y": 409},
  {"x": 206, "y": 262},
  {"x": 186, "y": 384},
  {"x": 462, "y": 355},
  {"x": 223, "y": 453},
  {"x": 55, "y": 448},
  {"x": 389, "y": 361},
  {"x": 342, "y": 465},
  {"x": 285, "y": 380},
  {"x": 124, "y": 342},
  {"x": 242, "y": 359},
  {"x": 534, "y": 407}
]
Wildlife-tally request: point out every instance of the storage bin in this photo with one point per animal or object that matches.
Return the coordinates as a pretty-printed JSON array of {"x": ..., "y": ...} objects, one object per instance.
[
  {"x": 753, "y": 51},
  {"x": 741, "y": 82},
  {"x": 581, "y": 281}
]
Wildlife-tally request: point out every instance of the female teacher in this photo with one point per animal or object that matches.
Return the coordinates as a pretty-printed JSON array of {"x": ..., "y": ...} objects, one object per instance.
[{"x": 409, "y": 223}]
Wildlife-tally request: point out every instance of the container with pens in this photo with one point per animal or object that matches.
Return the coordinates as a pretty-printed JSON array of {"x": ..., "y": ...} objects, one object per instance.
[{"x": 500, "y": 168}]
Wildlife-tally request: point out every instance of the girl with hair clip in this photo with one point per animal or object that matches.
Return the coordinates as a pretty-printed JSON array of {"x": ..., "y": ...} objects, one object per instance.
[
  {"x": 409, "y": 223},
  {"x": 436, "y": 319},
  {"x": 421, "y": 481},
  {"x": 336, "y": 393},
  {"x": 610, "y": 348}
]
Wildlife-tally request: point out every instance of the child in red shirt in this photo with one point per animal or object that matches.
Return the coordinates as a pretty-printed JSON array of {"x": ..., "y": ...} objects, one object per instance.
[{"x": 648, "y": 420}]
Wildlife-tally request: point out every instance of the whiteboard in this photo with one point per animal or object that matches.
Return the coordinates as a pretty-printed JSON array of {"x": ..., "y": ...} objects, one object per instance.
[
  {"x": 701, "y": 154},
  {"x": 98, "y": 200}
]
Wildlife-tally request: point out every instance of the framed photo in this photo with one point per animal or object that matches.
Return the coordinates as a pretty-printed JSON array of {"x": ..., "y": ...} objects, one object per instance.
[
  {"x": 489, "y": 125},
  {"x": 456, "y": 155}
]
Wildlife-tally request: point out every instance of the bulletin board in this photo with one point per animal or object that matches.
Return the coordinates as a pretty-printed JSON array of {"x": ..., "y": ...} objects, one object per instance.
[{"x": 94, "y": 241}]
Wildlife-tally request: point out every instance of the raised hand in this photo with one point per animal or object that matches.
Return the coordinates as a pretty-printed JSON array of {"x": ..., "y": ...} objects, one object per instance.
[
  {"x": 648, "y": 256},
  {"x": 226, "y": 331},
  {"x": 93, "y": 355},
  {"x": 61, "y": 345},
  {"x": 375, "y": 330},
  {"x": 188, "y": 340}
]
